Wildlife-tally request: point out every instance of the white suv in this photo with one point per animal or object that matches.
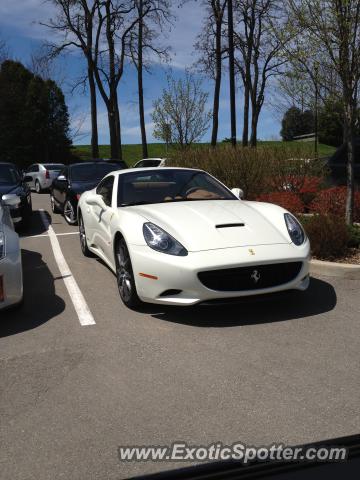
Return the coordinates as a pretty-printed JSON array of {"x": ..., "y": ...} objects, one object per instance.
[{"x": 42, "y": 175}]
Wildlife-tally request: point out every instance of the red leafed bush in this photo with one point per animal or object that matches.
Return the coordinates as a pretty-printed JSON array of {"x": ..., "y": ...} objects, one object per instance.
[
  {"x": 295, "y": 183},
  {"x": 332, "y": 201},
  {"x": 288, "y": 200}
]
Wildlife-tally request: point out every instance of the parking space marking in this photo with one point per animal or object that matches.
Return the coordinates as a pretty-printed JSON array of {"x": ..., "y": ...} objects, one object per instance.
[
  {"x": 81, "y": 307},
  {"x": 46, "y": 235}
]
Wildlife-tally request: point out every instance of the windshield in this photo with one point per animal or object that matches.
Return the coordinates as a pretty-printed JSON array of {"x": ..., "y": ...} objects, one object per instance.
[
  {"x": 9, "y": 175},
  {"x": 54, "y": 166},
  {"x": 169, "y": 185},
  {"x": 92, "y": 172}
]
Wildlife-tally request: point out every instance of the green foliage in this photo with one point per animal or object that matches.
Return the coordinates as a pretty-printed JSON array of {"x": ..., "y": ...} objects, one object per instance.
[
  {"x": 33, "y": 117},
  {"x": 354, "y": 236},
  {"x": 329, "y": 236},
  {"x": 331, "y": 122},
  {"x": 295, "y": 122}
]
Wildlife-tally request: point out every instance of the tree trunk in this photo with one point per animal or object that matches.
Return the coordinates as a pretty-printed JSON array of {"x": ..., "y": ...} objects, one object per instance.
[
  {"x": 94, "y": 129},
  {"x": 349, "y": 137},
  {"x": 118, "y": 127},
  {"x": 215, "y": 125},
  {"x": 140, "y": 82},
  {"x": 232, "y": 72},
  {"x": 245, "y": 135},
  {"x": 254, "y": 122}
]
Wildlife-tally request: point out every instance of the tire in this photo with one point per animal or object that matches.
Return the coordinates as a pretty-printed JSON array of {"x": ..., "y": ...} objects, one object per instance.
[
  {"x": 38, "y": 188},
  {"x": 70, "y": 213},
  {"x": 125, "y": 276},
  {"x": 83, "y": 242},
  {"x": 54, "y": 208}
]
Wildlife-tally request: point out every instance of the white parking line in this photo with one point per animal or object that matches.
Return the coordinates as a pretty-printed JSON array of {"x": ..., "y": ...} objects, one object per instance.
[
  {"x": 81, "y": 307},
  {"x": 46, "y": 235}
]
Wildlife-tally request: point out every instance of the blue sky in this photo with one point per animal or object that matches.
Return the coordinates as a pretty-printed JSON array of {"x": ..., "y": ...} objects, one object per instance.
[{"x": 19, "y": 27}]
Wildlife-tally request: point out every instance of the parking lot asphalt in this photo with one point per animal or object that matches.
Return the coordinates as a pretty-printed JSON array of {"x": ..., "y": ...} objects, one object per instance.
[{"x": 281, "y": 370}]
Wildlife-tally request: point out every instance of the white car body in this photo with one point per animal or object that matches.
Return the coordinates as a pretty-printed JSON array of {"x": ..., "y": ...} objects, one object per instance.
[
  {"x": 41, "y": 175},
  {"x": 150, "y": 163},
  {"x": 218, "y": 235},
  {"x": 11, "y": 279}
]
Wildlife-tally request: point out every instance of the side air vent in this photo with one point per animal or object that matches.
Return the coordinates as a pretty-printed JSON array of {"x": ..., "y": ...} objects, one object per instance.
[
  {"x": 230, "y": 225},
  {"x": 170, "y": 293}
]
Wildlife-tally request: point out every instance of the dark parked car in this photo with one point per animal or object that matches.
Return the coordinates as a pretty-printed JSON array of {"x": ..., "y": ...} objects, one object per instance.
[
  {"x": 12, "y": 182},
  {"x": 73, "y": 180},
  {"x": 337, "y": 164}
]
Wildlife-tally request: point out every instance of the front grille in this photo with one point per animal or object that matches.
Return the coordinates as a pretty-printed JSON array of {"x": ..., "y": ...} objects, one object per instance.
[{"x": 250, "y": 278}]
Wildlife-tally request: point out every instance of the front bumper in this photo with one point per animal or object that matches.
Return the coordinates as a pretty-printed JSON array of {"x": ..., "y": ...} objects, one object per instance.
[
  {"x": 11, "y": 281},
  {"x": 166, "y": 272}
]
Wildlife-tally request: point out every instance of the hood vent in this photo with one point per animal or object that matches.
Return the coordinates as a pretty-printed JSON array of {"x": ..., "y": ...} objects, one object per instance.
[{"x": 230, "y": 225}]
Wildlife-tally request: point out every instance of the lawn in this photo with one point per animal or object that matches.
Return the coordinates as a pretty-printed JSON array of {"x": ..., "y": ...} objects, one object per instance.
[{"x": 133, "y": 152}]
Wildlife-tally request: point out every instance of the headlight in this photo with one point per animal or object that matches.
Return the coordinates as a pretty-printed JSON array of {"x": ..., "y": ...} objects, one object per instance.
[
  {"x": 161, "y": 241},
  {"x": 2, "y": 245},
  {"x": 295, "y": 230}
]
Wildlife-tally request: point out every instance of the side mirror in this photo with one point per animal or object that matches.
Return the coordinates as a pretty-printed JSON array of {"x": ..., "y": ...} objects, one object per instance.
[
  {"x": 238, "y": 193},
  {"x": 27, "y": 178},
  {"x": 61, "y": 178},
  {"x": 11, "y": 200},
  {"x": 96, "y": 200}
]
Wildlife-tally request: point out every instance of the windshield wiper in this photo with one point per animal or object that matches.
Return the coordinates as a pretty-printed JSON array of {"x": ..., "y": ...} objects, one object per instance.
[{"x": 132, "y": 204}]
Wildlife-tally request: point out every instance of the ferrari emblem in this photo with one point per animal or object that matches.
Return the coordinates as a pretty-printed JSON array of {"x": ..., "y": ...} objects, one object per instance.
[
  {"x": 251, "y": 251},
  {"x": 255, "y": 276}
]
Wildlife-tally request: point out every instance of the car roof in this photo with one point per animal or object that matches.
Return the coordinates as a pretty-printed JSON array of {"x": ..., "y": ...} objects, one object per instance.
[
  {"x": 10, "y": 164},
  {"x": 156, "y": 170},
  {"x": 95, "y": 162}
]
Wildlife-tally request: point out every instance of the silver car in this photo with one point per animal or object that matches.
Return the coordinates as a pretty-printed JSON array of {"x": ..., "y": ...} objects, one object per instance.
[
  {"x": 42, "y": 175},
  {"x": 11, "y": 278},
  {"x": 150, "y": 162}
]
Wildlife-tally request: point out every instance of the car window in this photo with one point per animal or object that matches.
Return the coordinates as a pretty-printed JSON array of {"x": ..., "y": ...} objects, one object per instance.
[
  {"x": 9, "y": 175},
  {"x": 169, "y": 185},
  {"x": 139, "y": 164},
  {"x": 105, "y": 189},
  {"x": 64, "y": 172},
  {"x": 36, "y": 168},
  {"x": 93, "y": 172},
  {"x": 31, "y": 169},
  {"x": 54, "y": 166}
]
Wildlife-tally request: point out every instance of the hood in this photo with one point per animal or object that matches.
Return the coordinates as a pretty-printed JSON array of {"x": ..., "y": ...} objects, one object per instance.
[
  {"x": 4, "y": 189},
  {"x": 208, "y": 225}
]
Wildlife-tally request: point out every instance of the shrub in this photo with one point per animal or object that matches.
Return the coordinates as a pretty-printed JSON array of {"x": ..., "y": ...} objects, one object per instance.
[
  {"x": 288, "y": 200},
  {"x": 328, "y": 235},
  {"x": 255, "y": 170},
  {"x": 332, "y": 201},
  {"x": 354, "y": 236}
]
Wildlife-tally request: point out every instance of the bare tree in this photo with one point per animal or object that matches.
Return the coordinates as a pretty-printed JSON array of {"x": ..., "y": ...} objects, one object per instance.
[
  {"x": 180, "y": 115},
  {"x": 4, "y": 51},
  {"x": 76, "y": 21},
  {"x": 152, "y": 15},
  {"x": 260, "y": 56},
  {"x": 230, "y": 21},
  {"x": 332, "y": 27},
  {"x": 210, "y": 43}
]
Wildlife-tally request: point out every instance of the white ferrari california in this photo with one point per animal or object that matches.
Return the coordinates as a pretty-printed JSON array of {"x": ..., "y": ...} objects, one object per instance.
[{"x": 178, "y": 236}]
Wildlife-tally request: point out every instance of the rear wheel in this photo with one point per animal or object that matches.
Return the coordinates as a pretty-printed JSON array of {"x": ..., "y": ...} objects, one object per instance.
[
  {"x": 125, "y": 276},
  {"x": 38, "y": 188},
  {"x": 83, "y": 242},
  {"x": 70, "y": 213}
]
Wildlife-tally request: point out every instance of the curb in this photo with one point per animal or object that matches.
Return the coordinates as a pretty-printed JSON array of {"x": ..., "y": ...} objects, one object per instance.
[{"x": 333, "y": 269}]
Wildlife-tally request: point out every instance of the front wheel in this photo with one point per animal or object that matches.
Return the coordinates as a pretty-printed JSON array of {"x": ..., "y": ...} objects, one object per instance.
[
  {"x": 125, "y": 275},
  {"x": 83, "y": 242},
  {"x": 54, "y": 208},
  {"x": 69, "y": 213}
]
